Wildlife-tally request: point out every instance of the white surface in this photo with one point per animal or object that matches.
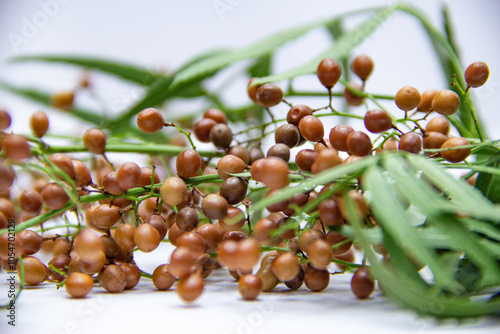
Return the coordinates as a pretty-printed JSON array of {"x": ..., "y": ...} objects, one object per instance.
[
  {"x": 220, "y": 310},
  {"x": 165, "y": 34}
]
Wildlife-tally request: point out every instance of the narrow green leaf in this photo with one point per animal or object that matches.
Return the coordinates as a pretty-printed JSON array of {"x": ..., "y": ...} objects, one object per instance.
[
  {"x": 396, "y": 223},
  {"x": 261, "y": 67},
  {"x": 409, "y": 293},
  {"x": 125, "y": 71},
  {"x": 461, "y": 193},
  {"x": 425, "y": 197},
  {"x": 489, "y": 184},
  {"x": 341, "y": 48},
  {"x": 468, "y": 242},
  {"x": 400, "y": 259},
  {"x": 44, "y": 98},
  {"x": 469, "y": 275}
]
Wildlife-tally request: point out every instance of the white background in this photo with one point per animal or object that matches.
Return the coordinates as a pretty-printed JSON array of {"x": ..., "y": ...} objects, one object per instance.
[{"x": 164, "y": 35}]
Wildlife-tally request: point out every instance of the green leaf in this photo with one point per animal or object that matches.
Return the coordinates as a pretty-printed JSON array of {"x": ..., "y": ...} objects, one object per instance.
[
  {"x": 489, "y": 184},
  {"x": 341, "y": 48},
  {"x": 125, "y": 71},
  {"x": 44, "y": 98},
  {"x": 261, "y": 67},
  {"x": 462, "y": 194},
  {"x": 395, "y": 222},
  {"x": 468, "y": 275}
]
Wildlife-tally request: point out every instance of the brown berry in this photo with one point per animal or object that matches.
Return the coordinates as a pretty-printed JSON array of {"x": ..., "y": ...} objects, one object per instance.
[
  {"x": 311, "y": 128},
  {"x": 361, "y": 283},
  {"x": 269, "y": 95},
  {"x": 54, "y": 196},
  {"x": 362, "y": 66},
  {"x": 358, "y": 143},
  {"x": 188, "y": 163},
  {"x": 329, "y": 72},
  {"x": 425, "y": 104},
  {"x": 410, "y": 142},
  {"x": 407, "y": 98},
  {"x": 446, "y": 102},
  {"x": 455, "y": 155},
  {"x": 16, "y": 147},
  {"x": 377, "y": 120},
  {"x": 249, "y": 287},
  {"x": 95, "y": 140},
  {"x": 477, "y": 74},
  {"x": 150, "y": 120},
  {"x": 338, "y": 137},
  {"x": 39, "y": 123}
]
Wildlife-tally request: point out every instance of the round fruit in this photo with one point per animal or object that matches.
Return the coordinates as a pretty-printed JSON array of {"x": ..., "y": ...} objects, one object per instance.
[
  {"x": 297, "y": 112},
  {"x": 477, "y": 74},
  {"x": 410, "y": 142},
  {"x": 4, "y": 119},
  {"x": 54, "y": 196},
  {"x": 361, "y": 283},
  {"x": 338, "y": 137},
  {"x": 162, "y": 279},
  {"x": 377, "y": 120},
  {"x": 221, "y": 136},
  {"x": 287, "y": 134},
  {"x": 407, "y": 98},
  {"x": 16, "y": 147},
  {"x": 39, "y": 123},
  {"x": 78, "y": 285},
  {"x": 425, "y": 104},
  {"x": 329, "y": 72},
  {"x": 95, "y": 141},
  {"x": 439, "y": 124},
  {"x": 128, "y": 175},
  {"x": 455, "y": 155},
  {"x": 150, "y": 120},
  {"x": 214, "y": 206},
  {"x": 362, "y": 66},
  {"x": 446, "y": 102},
  {"x": 190, "y": 287},
  {"x": 358, "y": 143},
  {"x": 201, "y": 129},
  {"x": 188, "y": 164},
  {"x": 173, "y": 190},
  {"x": 269, "y": 95},
  {"x": 229, "y": 164},
  {"x": 249, "y": 287},
  {"x": 311, "y": 128}
]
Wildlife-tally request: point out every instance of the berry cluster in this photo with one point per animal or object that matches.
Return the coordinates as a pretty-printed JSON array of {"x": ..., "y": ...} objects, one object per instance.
[{"x": 204, "y": 209}]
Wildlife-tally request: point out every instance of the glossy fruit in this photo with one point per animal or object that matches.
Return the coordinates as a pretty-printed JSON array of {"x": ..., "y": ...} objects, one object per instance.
[
  {"x": 249, "y": 287},
  {"x": 162, "y": 279},
  {"x": 54, "y": 196},
  {"x": 425, "y": 104},
  {"x": 329, "y": 72},
  {"x": 358, "y": 143},
  {"x": 362, "y": 66},
  {"x": 377, "y": 120},
  {"x": 446, "y": 102},
  {"x": 269, "y": 95},
  {"x": 311, "y": 128},
  {"x": 407, "y": 98},
  {"x": 16, "y": 147},
  {"x": 439, "y": 124},
  {"x": 287, "y": 134},
  {"x": 221, "y": 136},
  {"x": 150, "y": 120},
  {"x": 362, "y": 284},
  {"x": 188, "y": 163},
  {"x": 173, "y": 190},
  {"x": 190, "y": 287},
  {"x": 78, "y": 285},
  {"x": 39, "y": 123},
  {"x": 455, "y": 155},
  {"x": 230, "y": 164},
  {"x": 338, "y": 137},
  {"x": 297, "y": 112},
  {"x": 95, "y": 140},
  {"x": 411, "y": 142},
  {"x": 477, "y": 74}
]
